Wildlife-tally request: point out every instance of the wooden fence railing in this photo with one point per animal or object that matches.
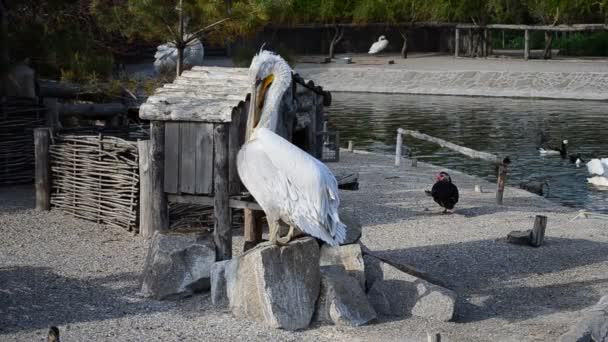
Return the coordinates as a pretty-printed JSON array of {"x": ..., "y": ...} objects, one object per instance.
[{"x": 502, "y": 163}]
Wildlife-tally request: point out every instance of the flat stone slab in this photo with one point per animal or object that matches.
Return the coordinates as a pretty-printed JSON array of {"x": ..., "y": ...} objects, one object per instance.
[
  {"x": 395, "y": 293},
  {"x": 341, "y": 300},
  {"x": 519, "y": 237},
  {"x": 178, "y": 264}
]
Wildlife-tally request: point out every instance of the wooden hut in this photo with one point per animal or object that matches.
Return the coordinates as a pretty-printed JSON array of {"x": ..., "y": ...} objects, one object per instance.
[{"x": 197, "y": 126}]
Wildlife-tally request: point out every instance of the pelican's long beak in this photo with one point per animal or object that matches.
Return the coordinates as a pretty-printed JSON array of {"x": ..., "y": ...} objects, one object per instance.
[{"x": 256, "y": 103}]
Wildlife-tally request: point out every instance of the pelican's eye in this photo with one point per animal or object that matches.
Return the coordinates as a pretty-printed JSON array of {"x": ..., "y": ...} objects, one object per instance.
[{"x": 262, "y": 93}]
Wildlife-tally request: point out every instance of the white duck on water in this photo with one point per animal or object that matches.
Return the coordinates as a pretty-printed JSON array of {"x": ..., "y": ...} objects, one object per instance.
[
  {"x": 598, "y": 169},
  {"x": 288, "y": 183}
]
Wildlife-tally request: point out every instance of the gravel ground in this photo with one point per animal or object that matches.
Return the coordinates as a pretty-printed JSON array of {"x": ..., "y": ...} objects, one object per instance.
[{"x": 83, "y": 277}]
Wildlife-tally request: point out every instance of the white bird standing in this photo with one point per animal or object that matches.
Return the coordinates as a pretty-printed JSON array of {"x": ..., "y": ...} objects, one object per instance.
[
  {"x": 166, "y": 56},
  {"x": 598, "y": 169},
  {"x": 288, "y": 183},
  {"x": 378, "y": 46}
]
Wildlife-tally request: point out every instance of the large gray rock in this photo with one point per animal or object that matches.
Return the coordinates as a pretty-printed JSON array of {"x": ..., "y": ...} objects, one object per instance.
[
  {"x": 342, "y": 301},
  {"x": 276, "y": 286},
  {"x": 396, "y": 293},
  {"x": 593, "y": 325},
  {"x": 348, "y": 256},
  {"x": 353, "y": 226},
  {"x": 178, "y": 264}
]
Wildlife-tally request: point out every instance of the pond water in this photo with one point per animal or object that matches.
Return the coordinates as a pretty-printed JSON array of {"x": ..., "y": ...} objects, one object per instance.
[{"x": 503, "y": 126}]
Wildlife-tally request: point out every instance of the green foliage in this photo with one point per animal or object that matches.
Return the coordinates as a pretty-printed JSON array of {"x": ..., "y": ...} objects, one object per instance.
[
  {"x": 57, "y": 36},
  {"x": 575, "y": 44}
]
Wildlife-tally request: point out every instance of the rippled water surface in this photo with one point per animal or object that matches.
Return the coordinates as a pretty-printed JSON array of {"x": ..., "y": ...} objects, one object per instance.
[{"x": 503, "y": 126}]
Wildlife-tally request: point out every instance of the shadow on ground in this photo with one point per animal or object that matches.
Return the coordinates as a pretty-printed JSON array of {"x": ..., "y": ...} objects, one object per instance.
[
  {"x": 491, "y": 269},
  {"x": 36, "y": 297}
]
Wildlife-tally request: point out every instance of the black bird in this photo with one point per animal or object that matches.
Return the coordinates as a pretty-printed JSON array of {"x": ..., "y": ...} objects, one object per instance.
[
  {"x": 562, "y": 150},
  {"x": 53, "y": 335},
  {"x": 444, "y": 192},
  {"x": 576, "y": 159}
]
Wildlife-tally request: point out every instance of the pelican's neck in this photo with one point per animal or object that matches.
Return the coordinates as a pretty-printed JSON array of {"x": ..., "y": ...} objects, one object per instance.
[{"x": 274, "y": 97}]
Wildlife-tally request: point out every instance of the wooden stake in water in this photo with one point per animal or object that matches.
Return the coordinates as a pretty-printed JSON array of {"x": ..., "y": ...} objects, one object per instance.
[
  {"x": 502, "y": 179},
  {"x": 398, "y": 148}
]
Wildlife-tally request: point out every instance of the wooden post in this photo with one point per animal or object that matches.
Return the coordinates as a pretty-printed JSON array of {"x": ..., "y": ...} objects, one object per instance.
[
  {"x": 159, "y": 218},
  {"x": 236, "y": 140},
  {"x": 222, "y": 233},
  {"x": 538, "y": 232},
  {"x": 526, "y": 44},
  {"x": 351, "y": 146},
  {"x": 253, "y": 228},
  {"x": 398, "y": 148},
  {"x": 52, "y": 112},
  {"x": 457, "y": 42},
  {"x": 433, "y": 337},
  {"x": 42, "y": 141},
  {"x": 145, "y": 184},
  {"x": 414, "y": 162},
  {"x": 502, "y": 178}
]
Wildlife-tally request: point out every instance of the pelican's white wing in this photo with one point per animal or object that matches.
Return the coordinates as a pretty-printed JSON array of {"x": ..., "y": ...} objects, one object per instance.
[
  {"x": 378, "y": 46},
  {"x": 291, "y": 185},
  {"x": 597, "y": 166}
]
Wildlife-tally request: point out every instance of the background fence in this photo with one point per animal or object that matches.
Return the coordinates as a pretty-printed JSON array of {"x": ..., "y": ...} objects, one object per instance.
[{"x": 18, "y": 118}]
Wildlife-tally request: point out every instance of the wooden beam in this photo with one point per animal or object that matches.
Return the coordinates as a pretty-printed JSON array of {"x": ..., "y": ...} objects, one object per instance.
[
  {"x": 159, "y": 218},
  {"x": 42, "y": 139},
  {"x": 145, "y": 189},
  {"x": 234, "y": 203},
  {"x": 221, "y": 207},
  {"x": 92, "y": 110},
  {"x": 443, "y": 143}
]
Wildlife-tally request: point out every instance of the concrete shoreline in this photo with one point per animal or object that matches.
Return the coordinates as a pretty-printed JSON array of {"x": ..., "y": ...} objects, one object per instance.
[{"x": 480, "y": 77}]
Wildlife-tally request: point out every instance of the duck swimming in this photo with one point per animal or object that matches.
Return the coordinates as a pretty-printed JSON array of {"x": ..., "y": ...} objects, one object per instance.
[
  {"x": 598, "y": 169},
  {"x": 562, "y": 151},
  {"x": 577, "y": 159}
]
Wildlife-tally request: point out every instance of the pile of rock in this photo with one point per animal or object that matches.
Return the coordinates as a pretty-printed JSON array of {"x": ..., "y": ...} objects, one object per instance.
[{"x": 289, "y": 287}]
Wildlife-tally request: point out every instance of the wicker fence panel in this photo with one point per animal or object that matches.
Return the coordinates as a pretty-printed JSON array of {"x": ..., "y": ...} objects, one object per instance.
[
  {"x": 96, "y": 178},
  {"x": 17, "y": 122}
]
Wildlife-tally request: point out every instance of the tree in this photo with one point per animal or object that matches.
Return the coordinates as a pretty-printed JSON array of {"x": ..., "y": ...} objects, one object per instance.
[
  {"x": 402, "y": 13},
  {"x": 555, "y": 12},
  {"x": 181, "y": 21}
]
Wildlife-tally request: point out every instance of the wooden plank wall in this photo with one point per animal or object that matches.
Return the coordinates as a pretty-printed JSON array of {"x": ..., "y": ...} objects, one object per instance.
[{"x": 189, "y": 155}]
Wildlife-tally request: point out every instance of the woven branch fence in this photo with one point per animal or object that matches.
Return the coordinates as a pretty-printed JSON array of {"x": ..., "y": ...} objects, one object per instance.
[
  {"x": 18, "y": 118},
  {"x": 96, "y": 177}
]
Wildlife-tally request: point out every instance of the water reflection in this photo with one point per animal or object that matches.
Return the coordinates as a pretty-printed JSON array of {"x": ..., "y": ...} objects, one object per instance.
[{"x": 502, "y": 126}]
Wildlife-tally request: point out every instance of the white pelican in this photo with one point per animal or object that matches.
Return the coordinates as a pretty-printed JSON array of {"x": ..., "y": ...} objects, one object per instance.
[
  {"x": 166, "y": 56},
  {"x": 288, "y": 183},
  {"x": 378, "y": 46},
  {"x": 598, "y": 169}
]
